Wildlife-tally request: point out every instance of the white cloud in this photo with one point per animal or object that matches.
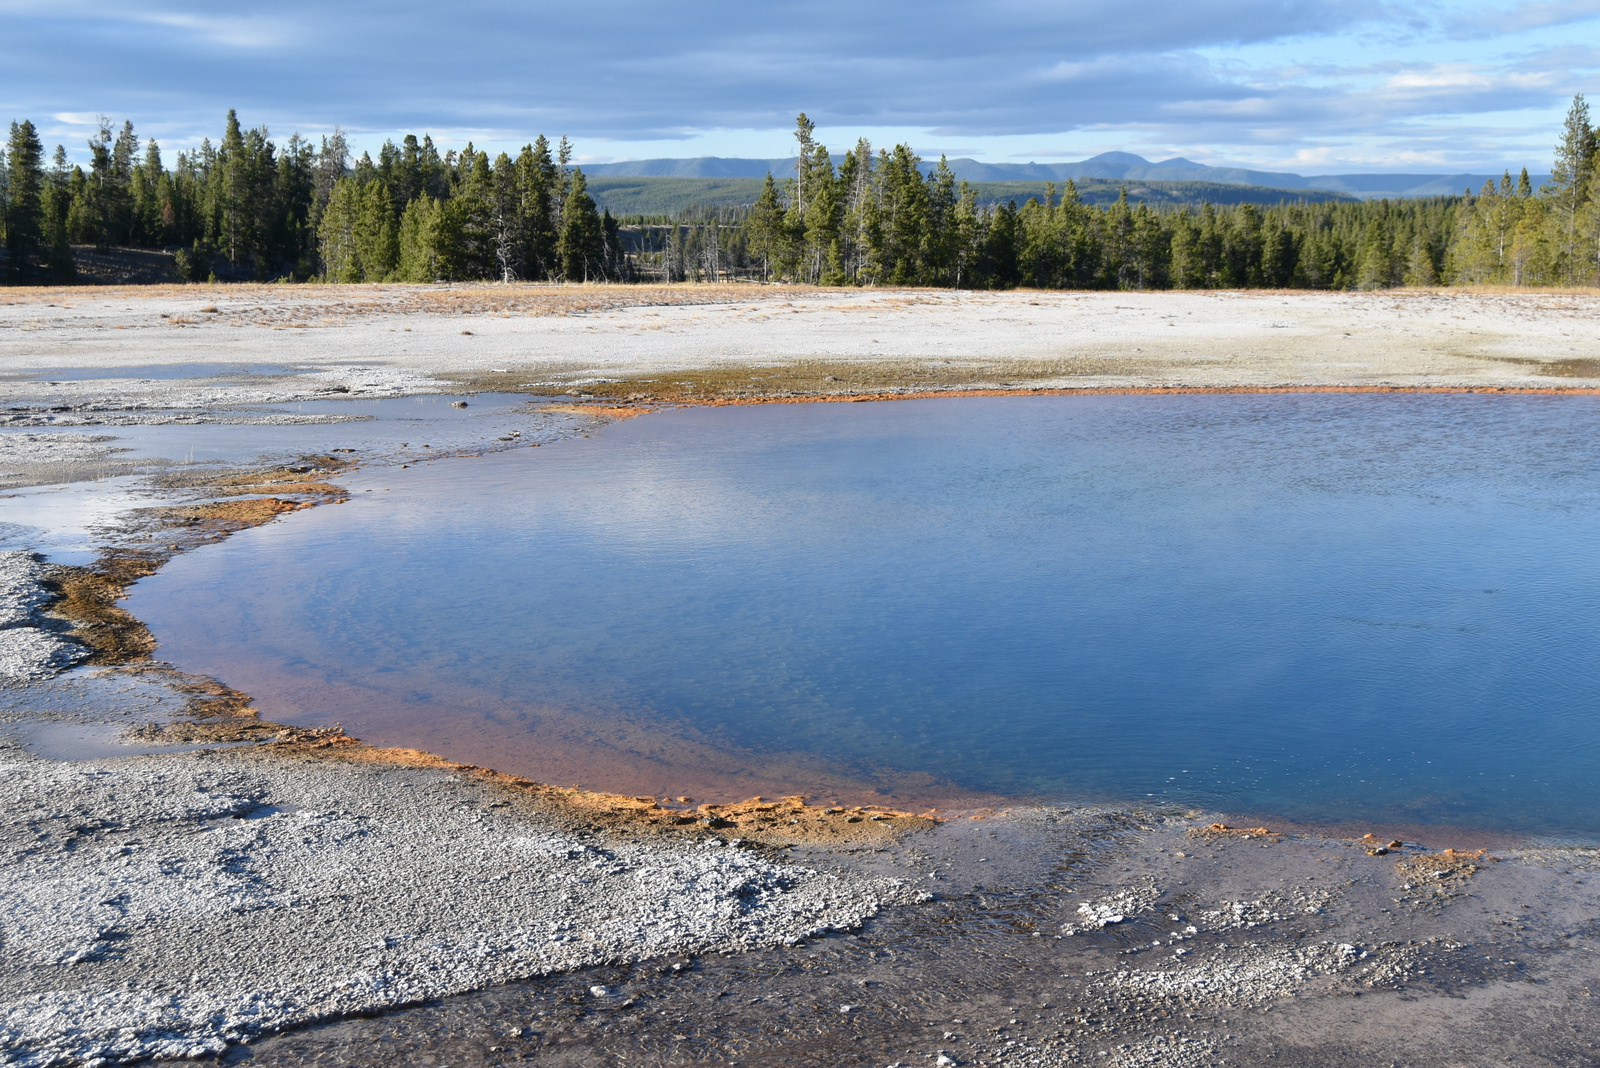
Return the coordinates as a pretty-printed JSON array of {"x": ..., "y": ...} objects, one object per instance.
[
  {"x": 1496, "y": 21},
  {"x": 1265, "y": 80},
  {"x": 232, "y": 32}
]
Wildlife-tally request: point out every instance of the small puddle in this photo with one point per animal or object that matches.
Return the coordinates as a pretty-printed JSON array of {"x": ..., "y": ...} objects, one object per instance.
[
  {"x": 159, "y": 372},
  {"x": 86, "y": 741}
]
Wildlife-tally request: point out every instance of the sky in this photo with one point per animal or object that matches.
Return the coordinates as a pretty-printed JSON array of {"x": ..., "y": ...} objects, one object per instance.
[{"x": 1310, "y": 86}]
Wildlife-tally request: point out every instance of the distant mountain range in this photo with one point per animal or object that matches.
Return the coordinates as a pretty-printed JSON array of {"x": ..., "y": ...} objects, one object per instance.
[
  {"x": 659, "y": 197},
  {"x": 1108, "y": 166}
]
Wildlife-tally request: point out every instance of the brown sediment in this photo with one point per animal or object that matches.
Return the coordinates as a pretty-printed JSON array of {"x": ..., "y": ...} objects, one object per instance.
[
  {"x": 797, "y": 378},
  {"x": 811, "y": 381},
  {"x": 1445, "y": 867},
  {"x": 305, "y": 477},
  {"x": 1222, "y": 830},
  {"x": 88, "y": 596},
  {"x": 1069, "y": 391},
  {"x": 607, "y": 411},
  {"x": 221, "y": 715},
  {"x": 788, "y": 821}
]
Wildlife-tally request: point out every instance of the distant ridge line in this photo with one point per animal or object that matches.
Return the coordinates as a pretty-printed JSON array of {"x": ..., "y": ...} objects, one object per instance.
[{"x": 1108, "y": 166}]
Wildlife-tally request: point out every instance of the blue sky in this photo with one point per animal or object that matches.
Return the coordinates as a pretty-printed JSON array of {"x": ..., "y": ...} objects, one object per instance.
[{"x": 1315, "y": 86}]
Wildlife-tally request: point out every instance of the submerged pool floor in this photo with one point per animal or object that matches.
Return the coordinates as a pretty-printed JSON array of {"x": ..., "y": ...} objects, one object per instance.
[{"x": 1320, "y": 607}]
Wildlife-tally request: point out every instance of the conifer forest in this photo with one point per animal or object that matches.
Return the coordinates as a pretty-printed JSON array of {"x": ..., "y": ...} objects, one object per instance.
[{"x": 249, "y": 208}]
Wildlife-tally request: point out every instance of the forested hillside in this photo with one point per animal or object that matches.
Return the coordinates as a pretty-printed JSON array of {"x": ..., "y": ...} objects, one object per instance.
[
  {"x": 249, "y": 208},
  {"x": 661, "y": 198}
]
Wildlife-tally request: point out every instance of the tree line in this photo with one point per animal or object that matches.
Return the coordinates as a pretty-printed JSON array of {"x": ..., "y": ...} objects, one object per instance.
[{"x": 247, "y": 208}]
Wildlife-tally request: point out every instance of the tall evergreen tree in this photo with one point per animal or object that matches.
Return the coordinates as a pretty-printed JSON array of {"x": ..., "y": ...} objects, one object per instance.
[
  {"x": 24, "y": 215},
  {"x": 341, "y": 255},
  {"x": 536, "y": 179},
  {"x": 420, "y": 233},
  {"x": 804, "y": 128},
  {"x": 1571, "y": 176},
  {"x": 764, "y": 226},
  {"x": 582, "y": 246}
]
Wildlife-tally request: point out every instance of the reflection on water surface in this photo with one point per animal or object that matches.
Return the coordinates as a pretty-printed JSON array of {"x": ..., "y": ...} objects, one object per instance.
[{"x": 1317, "y": 606}]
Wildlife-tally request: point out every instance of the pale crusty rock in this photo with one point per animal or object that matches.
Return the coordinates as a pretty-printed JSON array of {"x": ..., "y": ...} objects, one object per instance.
[
  {"x": 165, "y": 906},
  {"x": 28, "y": 650}
]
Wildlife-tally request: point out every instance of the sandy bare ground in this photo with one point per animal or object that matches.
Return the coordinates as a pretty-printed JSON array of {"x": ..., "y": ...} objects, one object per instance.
[{"x": 522, "y": 335}]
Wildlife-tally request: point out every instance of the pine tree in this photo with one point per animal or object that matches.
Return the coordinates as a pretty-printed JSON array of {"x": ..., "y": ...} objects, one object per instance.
[
  {"x": 764, "y": 225},
  {"x": 1000, "y": 247},
  {"x": 333, "y": 162},
  {"x": 1151, "y": 249},
  {"x": 903, "y": 201},
  {"x": 466, "y": 246},
  {"x": 1115, "y": 231},
  {"x": 120, "y": 221},
  {"x": 419, "y": 241},
  {"x": 804, "y": 128},
  {"x": 340, "y": 249},
  {"x": 582, "y": 247},
  {"x": 967, "y": 236},
  {"x": 618, "y": 268},
  {"x": 1376, "y": 266},
  {"x": 939, "y": 246},
  {"x": 60, "y": 265},
  {"x": 5, "y": 193},
  {"x": 147, "y": 183},
  {"x": 1419, "y": 271},
  {"x": 232, "y": 191},
  {"x": 24, "y": 155},
  {"x": 1586, "y": 263},
  {"x": 1185, "y": 268},
  {"x": 377, "y": 244},
  {"x": 858, "y": 215},
  {"x": 817, "y": 228},
  {"x": 1571, "y": 176},
  {"x": 537, "y": 177},
  {"x": 1277, "y": 256}
]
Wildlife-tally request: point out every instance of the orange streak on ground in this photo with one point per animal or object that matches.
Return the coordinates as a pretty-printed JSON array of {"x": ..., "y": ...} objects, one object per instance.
[{"x": 1067, "y": 391}]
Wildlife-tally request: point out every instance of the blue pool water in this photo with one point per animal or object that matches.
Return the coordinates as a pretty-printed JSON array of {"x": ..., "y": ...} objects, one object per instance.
[{"x": 1323, "y": 607}]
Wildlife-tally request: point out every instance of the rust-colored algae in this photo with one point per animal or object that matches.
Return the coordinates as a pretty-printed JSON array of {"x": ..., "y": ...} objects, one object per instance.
[
  {"x": 784, "y": 822},
  {"x": 1222, "y": 830},
  {"x": 810, "y": 381},
  {"x": 305, "y": 477},
  {"x": 88, "y": 599},
  {"x": 1089, "y": 391},
  {"x": 605, "y": 411},
  {"x": 1446, "y": 867}
]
